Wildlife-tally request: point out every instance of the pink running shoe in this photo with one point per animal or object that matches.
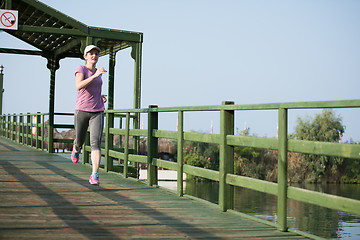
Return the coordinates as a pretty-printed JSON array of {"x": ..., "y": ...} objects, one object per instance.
[
  {"x": 94, "y": 179},
  {"x": 75, "y": 155}
]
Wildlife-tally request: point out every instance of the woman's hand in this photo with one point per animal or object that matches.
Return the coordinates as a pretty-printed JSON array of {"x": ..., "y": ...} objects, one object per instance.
[
  {"x": 104, "y": 98},
  {"x": 99, "y": 71}
]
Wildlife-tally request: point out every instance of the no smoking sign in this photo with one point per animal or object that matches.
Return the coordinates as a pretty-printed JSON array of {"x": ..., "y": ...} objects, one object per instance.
[{"x": 8, "y": 19}]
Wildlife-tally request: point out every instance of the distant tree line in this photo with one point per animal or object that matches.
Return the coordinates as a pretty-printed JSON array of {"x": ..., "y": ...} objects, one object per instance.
[{"x": 262, "y": 163}]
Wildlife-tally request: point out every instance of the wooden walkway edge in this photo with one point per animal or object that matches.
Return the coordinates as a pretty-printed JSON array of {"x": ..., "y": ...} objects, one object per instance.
[{"x": 45, "y": 196}]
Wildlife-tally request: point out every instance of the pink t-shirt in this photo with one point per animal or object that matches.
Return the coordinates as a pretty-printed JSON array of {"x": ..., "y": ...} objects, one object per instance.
[{"x": 89, "y": 98}]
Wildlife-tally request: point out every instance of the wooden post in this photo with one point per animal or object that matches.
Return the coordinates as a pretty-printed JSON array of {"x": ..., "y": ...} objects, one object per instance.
[
  {"x": 85, "y": 154},
  {"x": 38, "y": 121},
  {"x": 4, "y": 125},
  {"x": 28, "y": 129},
  {"x": 226, "y": 192},
  {"x": 120, "y": 137},
  {"x": 136, "y": 55},
  {"x": 21, "y": 128},
  {"x": 126, "y": 145},
  {"x": 1, "y": 125},
  {"x": 180, "y": 154},
  {"x": 18, "y": 128},
  {"x": 8, "y": 126},
  {"x": 282, "y": 171},
  {"x": 13, "y": 129},
  {"x": 152, "y": 146},
  {"x": 53, "y": 65},
  {"x": 31, "y": 132},
  {"x": 111, "y": 78},
  {"x": 109, "y": 141},
  {"x": 42, "y": 131}
]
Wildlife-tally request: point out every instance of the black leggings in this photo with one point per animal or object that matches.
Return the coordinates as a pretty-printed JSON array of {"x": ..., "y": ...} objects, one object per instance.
[{"x": 96, "y": 122}]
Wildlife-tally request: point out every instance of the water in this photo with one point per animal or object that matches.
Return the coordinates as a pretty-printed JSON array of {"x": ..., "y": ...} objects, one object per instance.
[{"x": 319, "y": 221}]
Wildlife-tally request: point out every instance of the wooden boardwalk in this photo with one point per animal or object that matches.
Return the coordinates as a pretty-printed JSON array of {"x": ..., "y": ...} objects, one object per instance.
[{"x": 45, "y": 196}]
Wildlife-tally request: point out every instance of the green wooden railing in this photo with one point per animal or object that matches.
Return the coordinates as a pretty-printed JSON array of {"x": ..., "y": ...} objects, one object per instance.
[
  {"x": 226, "y": 140},
  {"x": 29, "y": 129}
]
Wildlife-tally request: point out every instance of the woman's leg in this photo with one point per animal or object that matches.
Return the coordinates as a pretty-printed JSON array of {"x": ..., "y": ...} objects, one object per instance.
[
  {"x": 96, "y": 129},
  {"x": 95, "y": 159},
  {"x": 81, "y": 124}
]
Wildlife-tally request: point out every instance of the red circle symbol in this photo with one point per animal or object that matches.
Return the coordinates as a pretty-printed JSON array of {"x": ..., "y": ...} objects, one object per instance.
[{"x": 8, "y": 19}]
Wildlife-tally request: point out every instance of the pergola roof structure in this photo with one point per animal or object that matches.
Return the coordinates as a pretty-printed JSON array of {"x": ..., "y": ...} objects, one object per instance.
[
  {"x": 59, "y": 36},
  {"x": 55, "y": 33}
]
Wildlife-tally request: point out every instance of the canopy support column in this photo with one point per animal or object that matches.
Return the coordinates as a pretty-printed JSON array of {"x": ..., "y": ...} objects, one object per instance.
[
  {"x": 53, "y": 65},
  {"x": 109, "y": 140},
  {"x": 112, "y": 56},
  {"x": 136, "y": 55}
]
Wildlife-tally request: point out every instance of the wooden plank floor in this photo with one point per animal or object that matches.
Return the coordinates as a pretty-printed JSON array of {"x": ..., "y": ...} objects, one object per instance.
[{"x": 45, "y": 196}]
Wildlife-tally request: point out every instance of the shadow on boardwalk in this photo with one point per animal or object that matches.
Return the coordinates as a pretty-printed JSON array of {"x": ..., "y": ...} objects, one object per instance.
[{"x": 45, "y": 196}]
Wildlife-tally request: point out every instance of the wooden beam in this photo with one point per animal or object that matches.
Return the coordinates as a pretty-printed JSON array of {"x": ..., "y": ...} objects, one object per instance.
[
  {"x": 20, "y": 51},
  {"x": 57, "y": 14},
  {"x": 51, "y": 30}
]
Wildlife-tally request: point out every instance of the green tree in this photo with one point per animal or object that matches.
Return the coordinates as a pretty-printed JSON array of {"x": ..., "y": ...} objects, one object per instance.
[{"x": 325, "y": 127}]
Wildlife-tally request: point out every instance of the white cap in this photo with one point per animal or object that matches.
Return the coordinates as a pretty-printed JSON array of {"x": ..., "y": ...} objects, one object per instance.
[{"x": 91, "y": 47}]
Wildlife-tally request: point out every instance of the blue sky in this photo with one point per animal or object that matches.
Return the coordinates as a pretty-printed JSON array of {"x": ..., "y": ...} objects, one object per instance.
[{"x": 206, "y": 52}]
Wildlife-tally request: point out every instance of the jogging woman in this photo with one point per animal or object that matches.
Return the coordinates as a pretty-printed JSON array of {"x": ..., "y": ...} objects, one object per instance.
[{"x": 89, "y": 109}]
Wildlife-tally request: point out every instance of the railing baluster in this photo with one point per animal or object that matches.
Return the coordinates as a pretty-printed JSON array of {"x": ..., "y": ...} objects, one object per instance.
[
  {"x": 2, "y": 125},
  {"x": 152, "y": 146},
  {"x": 282, "y": 171},
  {"x": 109, "y": 141},
  {"x": 28, "y": 130},
  {"x": 18, "y": 126},
  {"x": 226, "y": 192},
  {"x": 9, "y": 126},
  {"x": 126, "y": 145},
  {"x": 120, "y": 136},
  {"x": 37, "y": 122},
  {"x": 85, "y": 153},
  {"x": 13, "y": 128},
  {"x": 180, "y": 154},
  {"x": 42, "y": 131},
  {"x": 31, "y": 130},
  {"x": 21, "y": 128}
]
